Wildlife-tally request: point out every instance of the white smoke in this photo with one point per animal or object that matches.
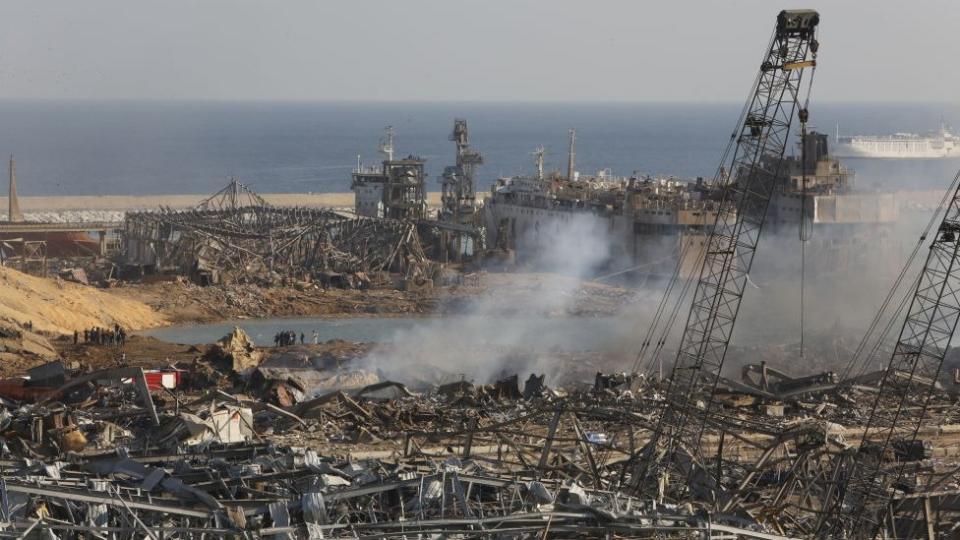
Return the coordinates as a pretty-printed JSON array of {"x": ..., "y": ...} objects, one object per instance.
[
  {"x": 528, "y": 326},
  {"x": 518, "y": 329}
]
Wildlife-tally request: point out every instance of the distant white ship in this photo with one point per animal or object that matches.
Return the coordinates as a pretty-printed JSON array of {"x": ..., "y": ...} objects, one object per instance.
[{"x": 942, "y": 144}]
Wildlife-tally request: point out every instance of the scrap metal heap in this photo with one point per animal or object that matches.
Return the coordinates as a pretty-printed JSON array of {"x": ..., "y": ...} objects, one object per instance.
[
  {"x": 206, "y": 446},
  {"x": 236, "y": 236}
]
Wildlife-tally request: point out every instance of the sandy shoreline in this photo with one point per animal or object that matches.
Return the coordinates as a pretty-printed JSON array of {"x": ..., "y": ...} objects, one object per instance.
[
  {"x": 151, "y": 202},
  {"x": 929, "y": 197}
]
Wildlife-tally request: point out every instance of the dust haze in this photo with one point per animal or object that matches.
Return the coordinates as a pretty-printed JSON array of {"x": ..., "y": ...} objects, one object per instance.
[
  {"x": 529, "y": 328},
  {"x": 505, "y": 332}
]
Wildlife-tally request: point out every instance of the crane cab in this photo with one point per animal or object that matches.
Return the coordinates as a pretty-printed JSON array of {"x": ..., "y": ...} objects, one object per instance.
[{"x": 797, "y": 21}]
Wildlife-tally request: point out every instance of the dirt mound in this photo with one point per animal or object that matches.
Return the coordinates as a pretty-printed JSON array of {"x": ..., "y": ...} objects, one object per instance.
[
  {"x": 62, "y": 307},
  {"x": 21, "y": 349}
]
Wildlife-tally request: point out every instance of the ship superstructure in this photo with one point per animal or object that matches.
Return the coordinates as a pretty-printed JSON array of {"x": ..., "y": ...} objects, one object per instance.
[
  {"x": 643, "y": 222},
  {"x": 644, "y": 218},
  {"x": 941, "y": 144},
  {"x": 820, "y": 178},
  {"x": 653, "y": 220},
  {"x": 394, "y": 189},
  {"x": 641, "y": 218}
]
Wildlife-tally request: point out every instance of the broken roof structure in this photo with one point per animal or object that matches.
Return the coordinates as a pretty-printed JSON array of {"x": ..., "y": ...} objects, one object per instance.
[{"x": 233, "y": 236}]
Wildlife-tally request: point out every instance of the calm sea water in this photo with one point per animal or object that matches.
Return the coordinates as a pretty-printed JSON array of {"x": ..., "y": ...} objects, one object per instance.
[
  {"x": 81, "y": 148},
  {"x": 536, "y": 333}
]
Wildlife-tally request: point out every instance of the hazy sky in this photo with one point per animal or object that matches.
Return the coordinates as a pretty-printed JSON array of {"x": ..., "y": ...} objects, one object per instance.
[{"x": 874, "y": 50}]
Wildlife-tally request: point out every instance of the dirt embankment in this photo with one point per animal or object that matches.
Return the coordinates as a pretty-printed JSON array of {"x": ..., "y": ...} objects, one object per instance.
[
  {"x": 57, "y": 307},
  {"x": 151, "y": 202},
  {"x": 60, "y": 307},
  {"x": 483, "y": 294}
]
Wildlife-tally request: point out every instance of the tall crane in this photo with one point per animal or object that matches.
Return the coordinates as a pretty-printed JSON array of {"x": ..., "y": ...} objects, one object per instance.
[
  {"x": 857, "y": 506},
  {"x": 756, "y": 154},
  {"x": 458, "y": 198},
  {"x": 458, "y": 209}
]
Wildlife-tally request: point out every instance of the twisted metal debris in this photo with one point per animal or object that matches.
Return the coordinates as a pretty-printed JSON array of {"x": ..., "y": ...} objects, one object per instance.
[{"x": 235, "y": 236}]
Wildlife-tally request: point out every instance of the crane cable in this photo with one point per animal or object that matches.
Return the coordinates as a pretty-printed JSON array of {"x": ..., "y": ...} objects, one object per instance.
[
  {"x": 655, "y": 360},
  {"x": 719, "y": 175},
  {"x": 805, "y": 232},
  {"x": 907, "y": 295},
  {"x": 858, "y": 364}
]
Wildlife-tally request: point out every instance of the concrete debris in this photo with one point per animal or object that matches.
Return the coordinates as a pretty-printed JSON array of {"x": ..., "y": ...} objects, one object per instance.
[
  {"x": 225, "y": 425},
  {"x": 302, "y": 383},
  {"x": 235, "y": 352},
  {"x": 260, "y": 457},
  {"x": 76, "y": 275}
]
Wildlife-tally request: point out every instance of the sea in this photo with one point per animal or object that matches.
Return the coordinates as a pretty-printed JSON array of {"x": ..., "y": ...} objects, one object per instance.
[{"x": 142, "y": 148}]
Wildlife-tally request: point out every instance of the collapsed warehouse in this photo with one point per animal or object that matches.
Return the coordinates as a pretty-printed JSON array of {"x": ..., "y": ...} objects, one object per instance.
[{"x": 236, "y": 236}]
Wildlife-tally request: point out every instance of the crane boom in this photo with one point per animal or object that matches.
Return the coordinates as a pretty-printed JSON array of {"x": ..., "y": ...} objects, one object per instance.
[
  {"x": 759, "y": 146},
  {"x": 860, "y": 500}
]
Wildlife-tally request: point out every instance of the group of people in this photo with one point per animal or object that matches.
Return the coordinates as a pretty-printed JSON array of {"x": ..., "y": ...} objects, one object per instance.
[
  {"x": 286, "y": 338},
  {"x": 102, "y": 336}
]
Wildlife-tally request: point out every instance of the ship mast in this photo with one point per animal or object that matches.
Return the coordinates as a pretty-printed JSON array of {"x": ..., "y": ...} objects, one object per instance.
[
  {"x": 538, "y": 153},
  {"x": 386, "y": 145},
  {"x": 13, "y": 205}
]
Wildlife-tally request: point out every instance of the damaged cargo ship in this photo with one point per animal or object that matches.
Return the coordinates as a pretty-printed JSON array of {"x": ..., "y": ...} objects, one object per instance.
[
  {"x": 652, "y": 222},
  {"x": 647, "y": 224}
]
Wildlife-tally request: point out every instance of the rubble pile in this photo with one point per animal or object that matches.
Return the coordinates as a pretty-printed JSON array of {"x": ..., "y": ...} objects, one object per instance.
[
  {"x": 236, "y": 237},
  {"x": 129, "y": 451},
  {"x": 235, "y": 352}
]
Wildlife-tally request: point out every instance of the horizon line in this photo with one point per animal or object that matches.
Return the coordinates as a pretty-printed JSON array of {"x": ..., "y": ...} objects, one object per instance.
[{"x": 520, "y": 101}]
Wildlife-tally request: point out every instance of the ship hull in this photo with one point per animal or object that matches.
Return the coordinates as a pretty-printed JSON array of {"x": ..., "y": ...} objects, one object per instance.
[
  {"x": 910, "y": 147},
  {"x": 850, "y": 151}
]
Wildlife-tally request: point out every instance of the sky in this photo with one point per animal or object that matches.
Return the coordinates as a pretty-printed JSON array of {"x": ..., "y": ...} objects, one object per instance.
[{"x": 462, "y": 50}]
